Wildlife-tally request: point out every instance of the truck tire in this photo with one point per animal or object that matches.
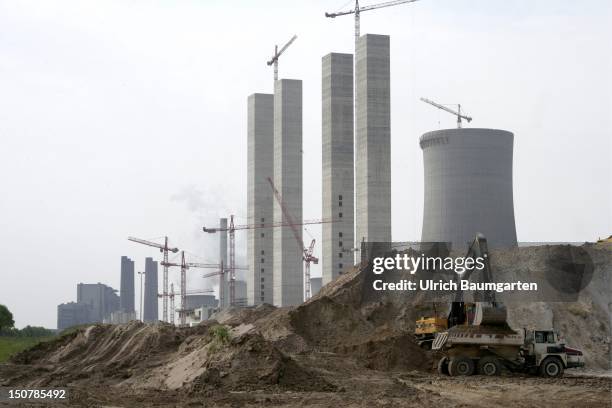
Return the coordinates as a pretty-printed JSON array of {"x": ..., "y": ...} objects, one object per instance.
[
  {"x": 443, "y": 366},
  {"x": 551, "y": 367},
  {"x": 489, "y": 365},
  {"x": 461, "y": 366}
]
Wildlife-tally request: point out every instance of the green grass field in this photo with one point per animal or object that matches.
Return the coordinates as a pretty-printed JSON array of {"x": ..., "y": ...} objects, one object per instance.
[{"x": 12, "y": 345}]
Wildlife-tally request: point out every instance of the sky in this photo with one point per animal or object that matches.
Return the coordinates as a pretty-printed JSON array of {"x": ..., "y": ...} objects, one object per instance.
[{"x": 123, "y": 117}]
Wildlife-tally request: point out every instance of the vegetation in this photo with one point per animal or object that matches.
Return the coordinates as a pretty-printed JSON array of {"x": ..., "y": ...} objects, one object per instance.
[
  {"x": 6, "y": 318},
  {"x": 14, "y": 340},
  {"x": 12, "y": 345},
  {"x": 220, "y": 334},
  {"x": 220, "y": 337}
]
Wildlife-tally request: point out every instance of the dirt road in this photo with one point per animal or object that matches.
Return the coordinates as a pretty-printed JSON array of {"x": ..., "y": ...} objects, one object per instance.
[{"x": 357, "y": 387}]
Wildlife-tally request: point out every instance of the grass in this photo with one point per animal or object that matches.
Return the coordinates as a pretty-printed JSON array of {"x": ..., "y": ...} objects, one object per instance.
[{"x": 12, "y": 345}]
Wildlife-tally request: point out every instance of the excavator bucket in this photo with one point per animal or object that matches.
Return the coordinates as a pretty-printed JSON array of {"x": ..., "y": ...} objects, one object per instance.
[{"x": 489, "y": 315}]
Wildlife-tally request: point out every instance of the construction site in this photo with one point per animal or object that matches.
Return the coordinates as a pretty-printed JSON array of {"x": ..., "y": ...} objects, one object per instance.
[{"x": 268, "y": 333}]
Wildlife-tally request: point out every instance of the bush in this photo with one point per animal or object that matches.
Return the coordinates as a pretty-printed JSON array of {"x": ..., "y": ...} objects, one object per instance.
[{"x": 220, "y": 334}]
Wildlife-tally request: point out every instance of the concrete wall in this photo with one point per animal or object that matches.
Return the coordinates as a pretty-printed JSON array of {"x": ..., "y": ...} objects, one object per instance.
[
  {"x": 150, "y": 305},
  {"x": 315, "y": 285},
  {"x": 468, "y": 186},
  {"x": 126, "y": 296},
  {"x": 288, "y": 269},
  {"x": 373, "y": 140},
  {"x": 338, "y": 163},
  {"x": 260, "y": 198}
]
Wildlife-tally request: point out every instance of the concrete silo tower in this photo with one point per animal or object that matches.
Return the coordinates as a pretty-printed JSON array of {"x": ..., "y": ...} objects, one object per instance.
[{"x": 468, "y": 186}]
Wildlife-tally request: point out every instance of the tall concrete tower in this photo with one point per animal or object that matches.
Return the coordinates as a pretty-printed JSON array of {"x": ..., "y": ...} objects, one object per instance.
[
  {"x": 288, "y": 270},
  {"x": 373, "y": 140},
  {"x": 338, "y": 163},
  {"x": 260, "y": 198},
  {"x": 150, "y": 309},
  {"x": 468, "y": 186},
  {"x": 126, "y": 297}
]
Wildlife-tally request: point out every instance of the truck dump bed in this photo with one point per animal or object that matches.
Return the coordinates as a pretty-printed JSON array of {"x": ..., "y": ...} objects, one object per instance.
[{"x": 478, "y": 335}]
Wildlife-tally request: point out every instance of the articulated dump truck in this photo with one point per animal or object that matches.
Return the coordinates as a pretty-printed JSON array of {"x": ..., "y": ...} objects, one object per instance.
[{"x": 480, "y": 341}]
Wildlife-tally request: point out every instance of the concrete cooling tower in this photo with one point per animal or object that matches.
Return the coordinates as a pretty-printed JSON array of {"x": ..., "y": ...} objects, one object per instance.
[{"x": 468, "y": 186}]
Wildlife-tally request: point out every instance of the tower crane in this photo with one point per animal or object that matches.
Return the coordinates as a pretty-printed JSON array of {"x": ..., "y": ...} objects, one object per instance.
[
  {"x": 307, "y": 252},
  {"x": 221, "y": 272},
  {"x": 277, "y": 54},
  {"x": 189, "y": 292},
  {"x": 232, "y": 241},
  {"x": 164, "y": 249},
  {"x": 184, "y": 266},
  {"x": 358, "y": 10},
  {"x": 446, "y": 109}
]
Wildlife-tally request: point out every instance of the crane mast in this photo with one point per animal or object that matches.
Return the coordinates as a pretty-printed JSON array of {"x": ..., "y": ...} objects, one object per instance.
[
  {"x": 187, "y": 265},
  {"x": 232, "y": 228},
  {"x": 164, "y": 249},
  {"x": 307, "y": 252},
  {"x": 358, "y": 10},
  {"x": 277, "y": 54}
]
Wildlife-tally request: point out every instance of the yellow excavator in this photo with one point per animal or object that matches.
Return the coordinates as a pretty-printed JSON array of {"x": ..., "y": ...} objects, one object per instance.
[{"x": 460, "y": 312}]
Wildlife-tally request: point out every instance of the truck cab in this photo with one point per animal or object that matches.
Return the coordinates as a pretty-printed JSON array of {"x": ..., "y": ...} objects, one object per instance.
[{"x": 546, "y": 351}]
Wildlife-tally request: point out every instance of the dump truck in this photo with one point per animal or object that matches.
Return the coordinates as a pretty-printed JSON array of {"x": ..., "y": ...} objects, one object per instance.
[
  {"x": 467, "y": 350},
  {"x": 479, "y": 340}
]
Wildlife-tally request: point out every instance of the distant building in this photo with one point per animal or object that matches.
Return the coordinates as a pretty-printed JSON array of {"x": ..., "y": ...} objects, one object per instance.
[
  {"x": 101, "y": 298},
  {"x": 150, "y": 309},
  {"x": 72, "y": 314},
  {"x": 196, "y": 301},
  {"x": 240, "y": 292},
  {"x": 120, "y": 317},
  {"x": 127, "y": 285},
  {"x": 315, "y": 285},
  {"x": 198, "y": 315}
]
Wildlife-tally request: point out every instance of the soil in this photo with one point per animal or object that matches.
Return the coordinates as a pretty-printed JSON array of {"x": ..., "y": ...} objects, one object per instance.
[{"x": 335, "y": 349}]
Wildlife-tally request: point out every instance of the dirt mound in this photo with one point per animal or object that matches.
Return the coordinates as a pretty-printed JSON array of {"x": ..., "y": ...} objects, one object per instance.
[
  {"x": 234, "y": 316},
  {"x": 145, "y": 356}
]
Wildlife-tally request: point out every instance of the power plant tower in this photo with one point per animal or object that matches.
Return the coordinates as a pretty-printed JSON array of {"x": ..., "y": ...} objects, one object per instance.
[
  {"x": 468, "y": 186},
  {"x": 223, "y": 260},
  {"x": 126, "y": 298},
  {"x": 373, "y": 139},
  {"x": 260, "y": 198},
  {"x": 150, "y": 309},
  {"x": 288, "y": 271},
  {"x": 338, "y": 164}
]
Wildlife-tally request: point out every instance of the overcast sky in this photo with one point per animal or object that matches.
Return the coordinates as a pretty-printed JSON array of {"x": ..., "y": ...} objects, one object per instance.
[{"x": 126, "y": 118}]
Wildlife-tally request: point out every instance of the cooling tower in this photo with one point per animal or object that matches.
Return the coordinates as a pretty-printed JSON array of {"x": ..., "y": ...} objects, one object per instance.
[{"x": 468, "y": 186}]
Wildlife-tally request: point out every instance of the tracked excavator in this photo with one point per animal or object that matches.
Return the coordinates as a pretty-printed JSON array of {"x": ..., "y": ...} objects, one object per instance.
[{"x": 478, "y": 340}]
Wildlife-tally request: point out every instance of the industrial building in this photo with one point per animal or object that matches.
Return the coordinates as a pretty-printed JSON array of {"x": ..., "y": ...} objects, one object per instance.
[
  {"x": 468, "y": 186},
  {"x": 288, "y": 273},
  {"x": 127, "y": 295},
  {"x": 338, "y": 164},
  {"x": 102, "y": 299},
  {"x": 72, "y": 314},
  {"x": 260, "y": 198},
  {"x": 95, "y": 303},
  {"x": 372, "y": 139},
  {"x": 196, "y": 301},
  {"x": 150, "y": 308}
]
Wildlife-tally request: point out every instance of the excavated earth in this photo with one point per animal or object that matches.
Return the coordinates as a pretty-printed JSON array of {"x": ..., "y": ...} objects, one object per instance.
[{"x": 337, "y": 349}]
